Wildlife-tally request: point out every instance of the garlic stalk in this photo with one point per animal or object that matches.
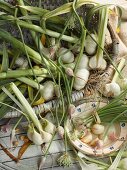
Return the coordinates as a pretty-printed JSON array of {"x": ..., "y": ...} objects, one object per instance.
[
  {"x": 97, "y": 61},
  {"x": 113, "y": 89},
  {"x": 29, "y": 111}
]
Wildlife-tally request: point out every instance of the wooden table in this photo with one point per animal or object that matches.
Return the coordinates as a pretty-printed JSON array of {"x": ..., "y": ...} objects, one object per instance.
[{"x": 33, "y": 154}]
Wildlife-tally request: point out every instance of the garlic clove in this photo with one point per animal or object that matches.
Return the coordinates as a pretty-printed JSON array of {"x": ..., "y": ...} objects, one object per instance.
[
  {"x": 87, "y": 138},
  {"x": 36, "y": 138},
  {"x": 112, "y": 89},
  {"x": 97, "y": 129},
  {"x": 66, "y": 55}
]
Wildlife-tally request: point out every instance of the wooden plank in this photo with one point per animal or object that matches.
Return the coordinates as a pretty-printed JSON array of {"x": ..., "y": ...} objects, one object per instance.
[
  {"x": 34, "y": 150},
  {"x": 32, "y": 163}
]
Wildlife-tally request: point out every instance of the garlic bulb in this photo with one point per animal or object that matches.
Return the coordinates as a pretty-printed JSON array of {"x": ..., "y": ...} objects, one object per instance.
[
  {"x": 36, "y": 138},
  {"x": 90, "y": 44},
  {"x": 66, "y": 55},
  {"x": 46, "y": 136},
  {"x": 84, "y": 62},
  {"x": 60, "y": 130},
  {"x": 112, "y": 90},
  {"x": 81, "y": 78},
  {"x": 97, "y": 64},
  {"x": 48, "y": 90},
  {"x": 50, "y": 127},
  {"x": 97, "y": 129},
  {"x": 87, "y": 138}
]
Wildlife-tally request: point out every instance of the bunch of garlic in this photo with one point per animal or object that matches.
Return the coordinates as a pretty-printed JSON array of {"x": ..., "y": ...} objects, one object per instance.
[{"x": 44, "y": 136}]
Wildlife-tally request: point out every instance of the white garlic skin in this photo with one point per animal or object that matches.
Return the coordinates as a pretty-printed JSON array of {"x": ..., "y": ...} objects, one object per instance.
[
  {"x": 30, "y": 132},
  {"x": 66, "y": 58},
  {"x": 48, "y": 90},
  {"x": 90, "y": 44},
  {"x": 81, "y": 78},
  {"x": 97, "y": 129},
  {"x": 112, "y": 90},
  {"x": 97, "y": 64}
]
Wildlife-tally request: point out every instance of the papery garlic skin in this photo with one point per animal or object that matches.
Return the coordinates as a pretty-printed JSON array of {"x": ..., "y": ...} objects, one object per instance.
[
  {"x": 48, "y": 90},
  {"x": 112, "y": 90},
  {"x": 97, "y": 129},
  {"x": 99, "y": 63},
  {"x": 66, "y": 55},
  {"x": 81, "y": 78},
  {"x": 90, "y": 44}
]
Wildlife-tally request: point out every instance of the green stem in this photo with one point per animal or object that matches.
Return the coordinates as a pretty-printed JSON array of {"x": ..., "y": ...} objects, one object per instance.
[
  {"x": 29, "y": 111},
  {"x": 21, "y": 73}
]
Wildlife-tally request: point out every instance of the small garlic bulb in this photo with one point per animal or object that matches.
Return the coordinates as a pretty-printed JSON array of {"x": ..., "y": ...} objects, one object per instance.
[
  {"x": 48, "y": 90},
  {"x": 66, "y": 55},
  {"x": 97, "y": 64},
  {"x": 50, "y": 127},
  {"x": 60, "y": 130},
  {"x": 97, "y": 129},
  {"x": 87, "y": 138},
  {"x": 90, "y": 44},
  {"x": 46, "y": 136},
  {"x": 84, "y": 62},
  {"x": 112, "y": 90},
  {"x": 81, "y": 78},
  {"x": 36, "y": 138}
]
